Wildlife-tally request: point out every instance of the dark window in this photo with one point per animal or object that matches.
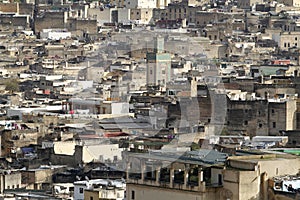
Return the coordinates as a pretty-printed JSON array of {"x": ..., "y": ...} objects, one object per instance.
[
  {"x": 132, "y": 194},
  {"x": 91, "y": 198},
  {"x": 274, "y": 124},
  {"x": 259, "y": 125},
  {"x": 273, "y": 111},
  {"x": 246, "y": 123},
  {"x": 80, "y": 190}
]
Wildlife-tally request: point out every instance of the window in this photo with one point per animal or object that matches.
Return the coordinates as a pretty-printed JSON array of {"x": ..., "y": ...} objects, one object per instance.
[
  {"x": 132, "y": 194},
  {"x": 163, "y": 71},
  {"x": 284, "y": 45},
  {"x": 80, "y": 190},
  {"x": 246, "y": 123},
  {"x": 274, "y": 124},
  {"x": 296, "y": 38},
  {"x": 260, "y": 125},
  {"x": 91, "y": 198},
  {"x": 273, "y": 111}
]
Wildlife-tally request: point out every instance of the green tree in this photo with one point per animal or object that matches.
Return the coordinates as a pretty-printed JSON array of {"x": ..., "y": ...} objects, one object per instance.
[{"x": 12, "y": 85}]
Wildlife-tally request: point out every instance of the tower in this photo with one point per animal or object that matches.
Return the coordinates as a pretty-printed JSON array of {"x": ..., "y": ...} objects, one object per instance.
[{"x": 158, "y": 64}]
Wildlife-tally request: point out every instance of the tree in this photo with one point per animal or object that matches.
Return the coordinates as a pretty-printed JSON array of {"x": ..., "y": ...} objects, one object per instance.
[{"x": 12, "y": 85}]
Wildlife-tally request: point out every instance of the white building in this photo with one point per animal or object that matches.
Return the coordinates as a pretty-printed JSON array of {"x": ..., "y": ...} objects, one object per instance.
[
  {"x": 107, "y": 189},
  {"x": 55, "y": 34},
  {"x": 140, "y": 4}
]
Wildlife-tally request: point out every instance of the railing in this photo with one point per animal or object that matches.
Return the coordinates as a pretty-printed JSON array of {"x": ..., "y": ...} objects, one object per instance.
[{"x": 190, "y": 186}]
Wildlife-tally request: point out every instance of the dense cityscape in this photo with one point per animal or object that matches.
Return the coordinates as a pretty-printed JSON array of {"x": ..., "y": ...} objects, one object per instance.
[{"x": 149, "y": 99}]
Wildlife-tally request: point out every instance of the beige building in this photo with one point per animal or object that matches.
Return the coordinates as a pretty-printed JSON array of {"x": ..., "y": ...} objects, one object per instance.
[
  {"x": 141, "y": 15},
  {"x": 163, "y": 175},
  {"x": 247, "y": 176},
  {"x": 287, "y": 40},
  {"x": 10, "y": 180},
  {"x": 242, "y": 178},
  {"x": 294, "y": 3},
  {"x": 247, "y": 4}
]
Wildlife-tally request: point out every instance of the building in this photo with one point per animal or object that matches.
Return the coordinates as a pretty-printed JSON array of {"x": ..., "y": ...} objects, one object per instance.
[
  {"x": 246, "y": 177},
  {"x": 248, "y": 4},
  {"x": 174, "y": 175},
  {"x": 10, "y": 180},
  {"x": 293, "y": 3},
  {"x": 97, "y": 189},
  {"x": 158, "y": 65}
]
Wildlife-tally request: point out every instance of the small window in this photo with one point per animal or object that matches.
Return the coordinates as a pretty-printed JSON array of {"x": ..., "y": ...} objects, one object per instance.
[
  {"x": 91, "y": 198},
  {"x": 246, "y": 123},
  {"x": 274, "y": 124},
  {"x": 273, "y": 111},
  {"x": 132, "y": 194},
  {"x": 80, "y": 190},
  {"x": 260, "y": 125},
  {"x": 296, "y": 38}
]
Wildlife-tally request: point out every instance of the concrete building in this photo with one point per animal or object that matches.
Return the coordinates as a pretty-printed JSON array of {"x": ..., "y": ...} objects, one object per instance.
[
  {"x": 163, "y": 175},
  {"x": 141, "y": 15},
  {"x": 247, "y": 176},
  {"x": 286, "y": 40},
  {"x": 261, "y": 117},
  {"x": 293, "y": 3},
  {"x": 248, "y": 4},
  {"x": 97, "y": 189},
  {"x": 140, "y": 4},
  {"x": 53, "y": 34},
  {"x": 10, "y": 180}
]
